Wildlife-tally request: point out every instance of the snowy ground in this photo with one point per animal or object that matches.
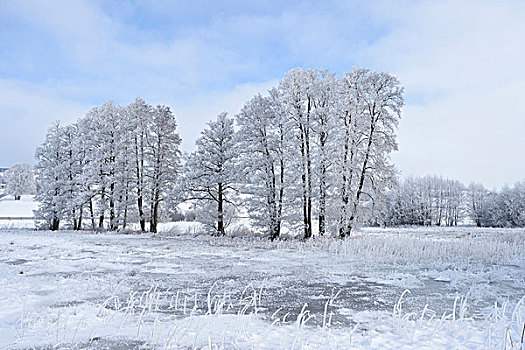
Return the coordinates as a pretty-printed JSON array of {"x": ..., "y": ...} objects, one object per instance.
[
  {"x": 11, "y": 210},
  {"x": 107, "y": 291}
]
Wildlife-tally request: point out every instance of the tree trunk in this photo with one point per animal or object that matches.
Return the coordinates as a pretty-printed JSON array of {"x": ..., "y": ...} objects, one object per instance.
[
  {"x": 280, "y": 199},
  {"x": 361, "y": 178},
  {"x": 154, "y": 211},
  {"x": 154, "y": 218},
  {"x": 272, "y": 205},
  {"x": 55, "y": 223},
  {"x": 101, "y": 222},
  {"x": 112, "y": 219},
  {"x": 322, "y": 186},
  {"x": 92, "y": 213},
  {"x": 141, "y": 214},
  {"x": 348, "y": 158},
  {"x": 79, "y": 224},
  {"x": 322, "y": 208},
  {"x": 220, "y": 211},
  {"x": 142, "y": 219},
  {"x": 101, "y": 217},
  {"x": 344, "y": 190},
  {"x": 139, "y": 168},
  {"x": 303, "y": 182},
  {"x": 125, "y": 218},
  {"x": 308, "y": 169},
  {"x": 75, "y": 222}
]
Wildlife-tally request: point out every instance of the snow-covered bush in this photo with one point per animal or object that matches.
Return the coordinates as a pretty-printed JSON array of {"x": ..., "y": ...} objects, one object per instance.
[{"x": 206, "y": 213}]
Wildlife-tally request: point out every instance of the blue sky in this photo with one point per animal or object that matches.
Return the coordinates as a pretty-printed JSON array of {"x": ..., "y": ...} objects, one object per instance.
[{"x": 460, "y": 63}]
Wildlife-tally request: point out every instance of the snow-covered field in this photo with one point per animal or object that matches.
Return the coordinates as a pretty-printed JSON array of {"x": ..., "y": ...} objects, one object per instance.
[
  {"x": 413, "y": 288},
  {"x": 11, "y": 211}
]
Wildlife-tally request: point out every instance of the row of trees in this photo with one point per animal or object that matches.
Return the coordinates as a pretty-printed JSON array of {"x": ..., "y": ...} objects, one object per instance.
[
  {"x": 428, "y": 200},
  {"x": 505, "y": 208},
  {"x": 433, "y": 200},
  {"x": 112, "y": 167},
  {"x": 312, "y": 155}
]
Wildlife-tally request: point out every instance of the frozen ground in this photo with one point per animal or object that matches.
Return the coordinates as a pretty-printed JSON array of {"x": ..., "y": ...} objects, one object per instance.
[{"x": 103, "y": 291}]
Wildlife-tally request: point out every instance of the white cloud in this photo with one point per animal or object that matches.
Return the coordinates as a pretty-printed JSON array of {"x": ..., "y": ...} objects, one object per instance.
[
  {"x": 80, "y": 29},
  {"x": 471, "y": 136},
  {"x": 460, "y": 61},
  {"x": 461, "y": 65},
  {"x": 453, "y": 45},
  {"x": 29, "y": 110},
  {"x": 193, "y": 115}
]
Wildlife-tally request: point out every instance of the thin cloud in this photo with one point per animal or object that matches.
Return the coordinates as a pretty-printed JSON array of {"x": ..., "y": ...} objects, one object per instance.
[
  {"x": 460, "y": 63},
  {"x": 27, "y": 111}
]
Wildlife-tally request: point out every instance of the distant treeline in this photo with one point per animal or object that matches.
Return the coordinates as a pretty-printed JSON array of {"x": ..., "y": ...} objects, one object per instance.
[{"x": 433, "y": 200}]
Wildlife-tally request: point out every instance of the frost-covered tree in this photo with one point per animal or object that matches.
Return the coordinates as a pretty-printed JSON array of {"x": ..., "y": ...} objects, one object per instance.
[
  {"x": 125, "y": 165},
  {"x": 206, "y": 214},
  {"x": 210, "y": 172},
  {"x": 350, "y": 112},
  {"x": 88, "y": 190},
  {"x": 20, "y": 180},
  {"x": 102, "y": 134},
  {"x": 163, "y": 155},
  {"x": 336, "y": 143},
  {"x": 505, "y": 208},
  {"x": 454, "y": 201},
  {"x": 518, "y": 211},
  {"x": 297, "y": 98},
  {"x": 477, "y": 195},
  {"x": 139, "y": 114},
  {"x": 429, "y": 200},
  {"x": 370, "y": 113},
  {"x": 323, "y": 95},
  {"x": 312, "y": 154},
  {"x": 115, "y": 165},
  {"x": 73, "y": 180},
  {"x": 51, "y": 158},
  {"x": 262, "y": 138}
]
